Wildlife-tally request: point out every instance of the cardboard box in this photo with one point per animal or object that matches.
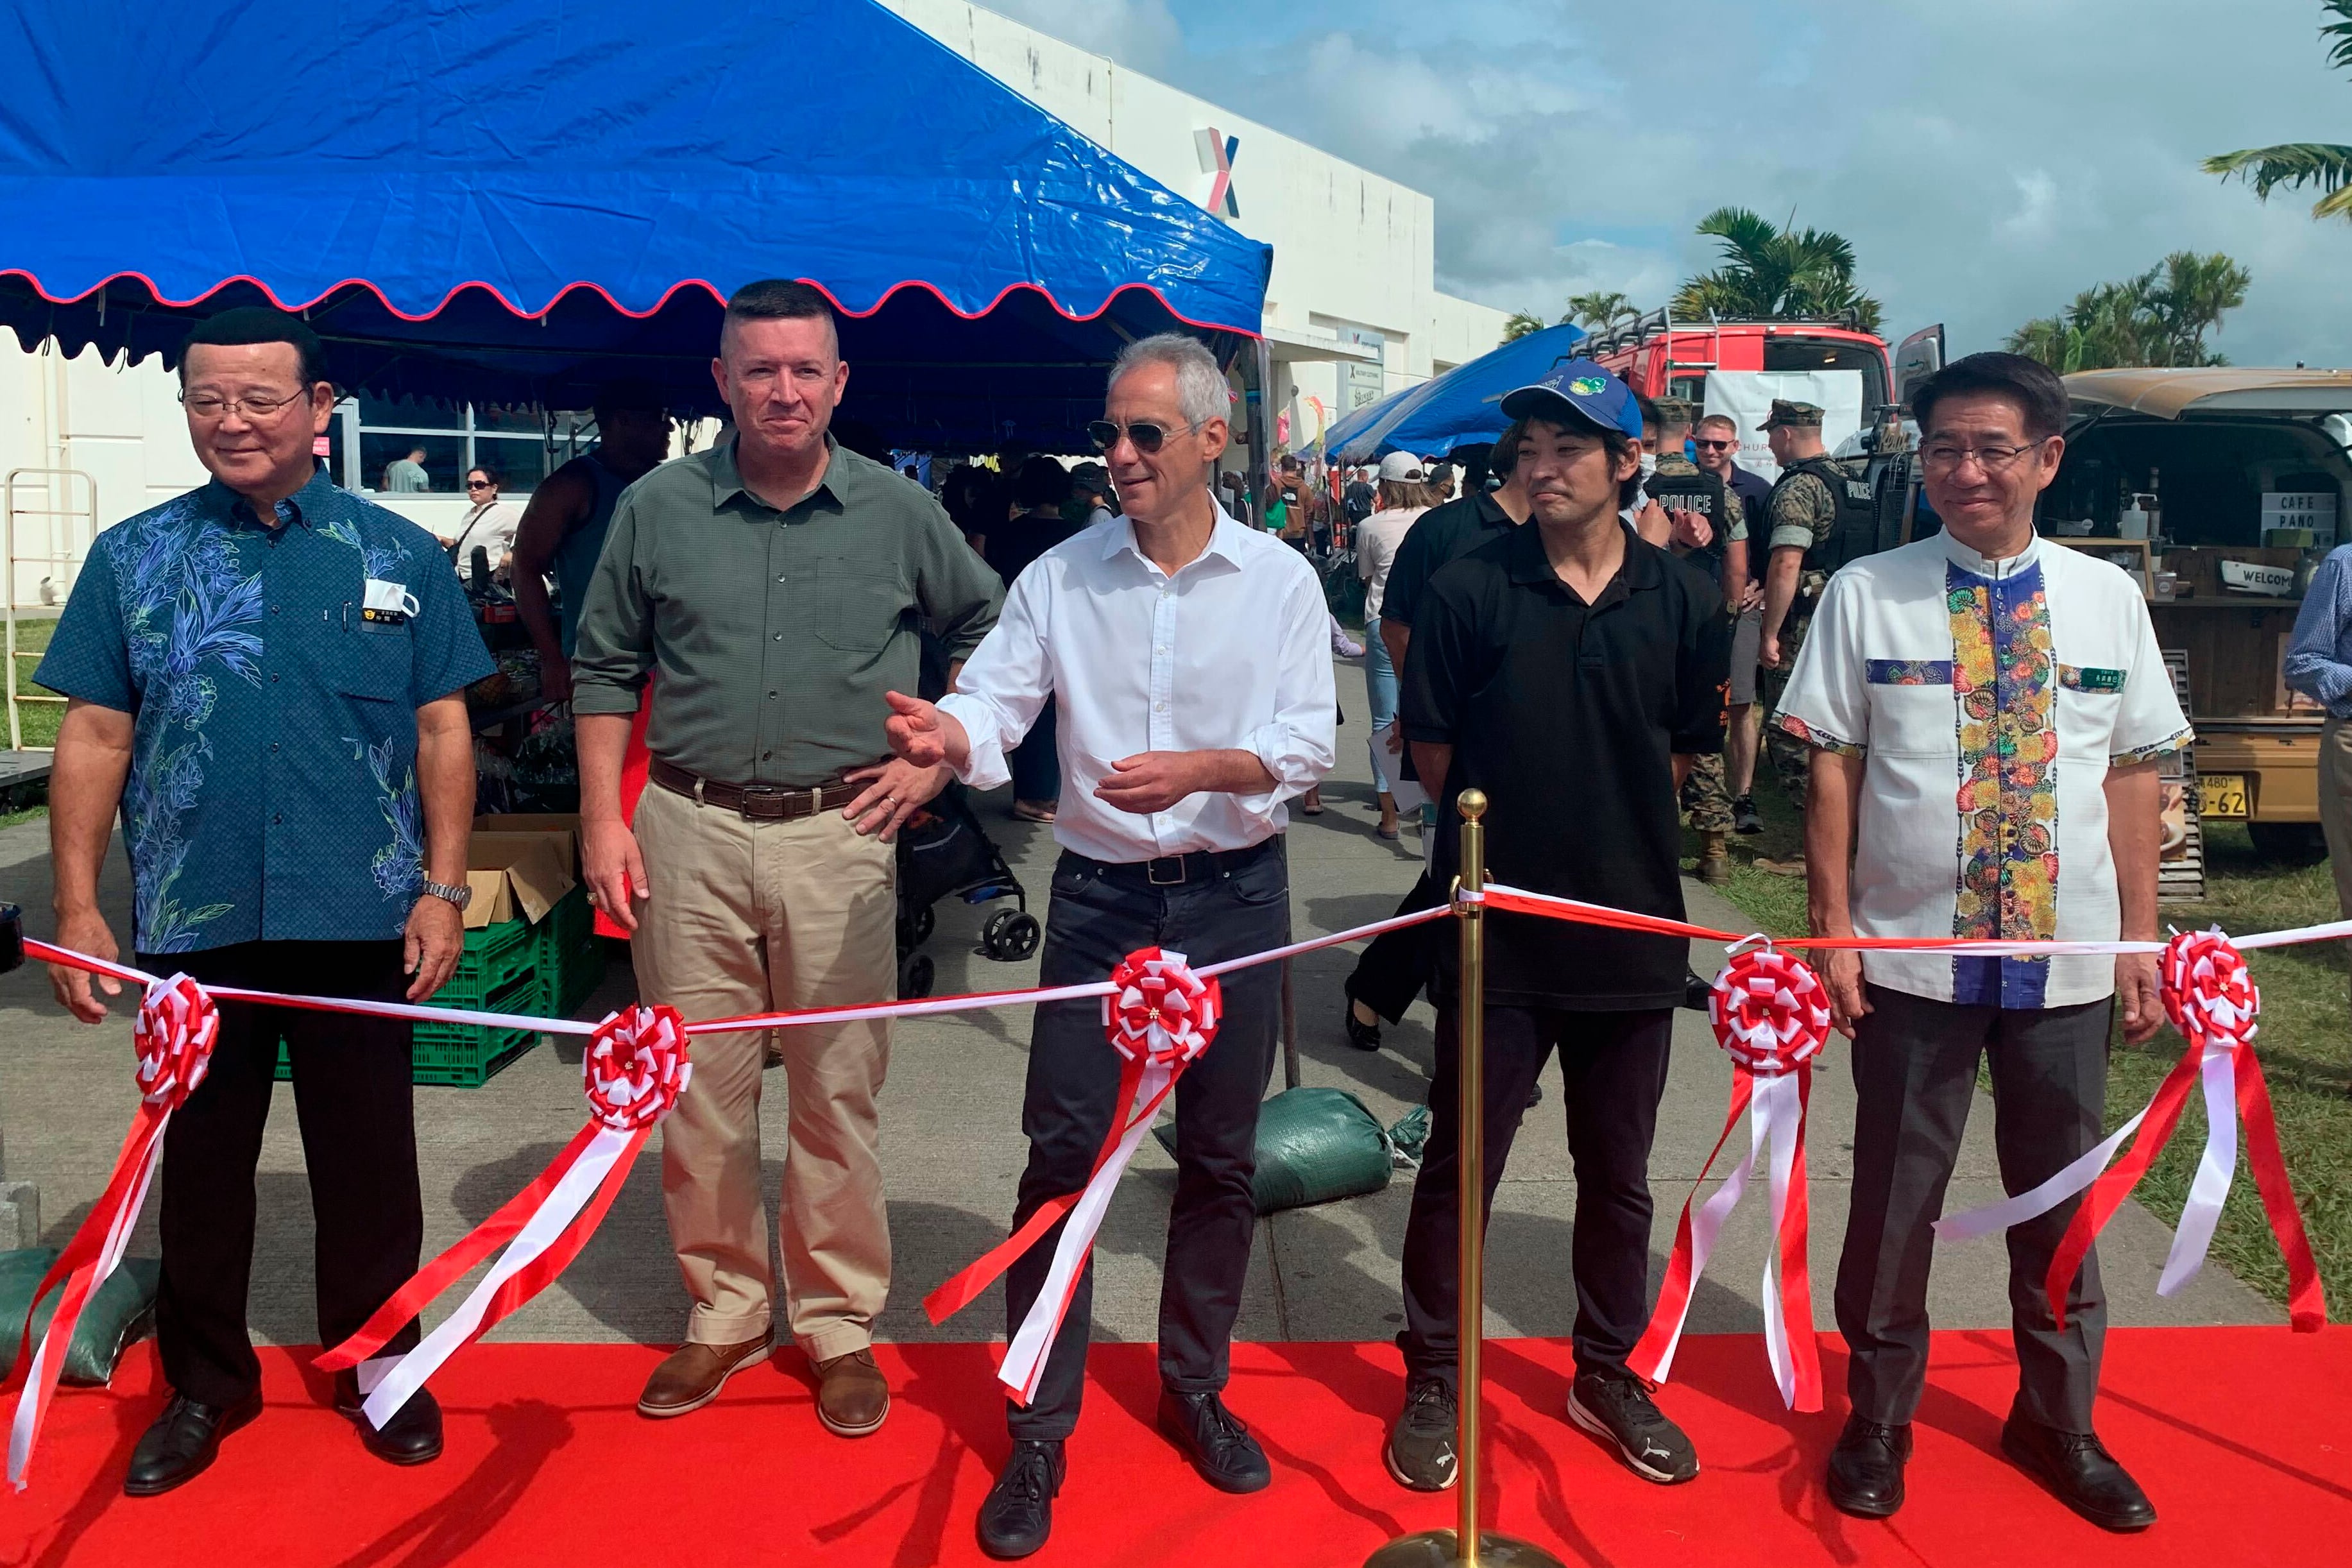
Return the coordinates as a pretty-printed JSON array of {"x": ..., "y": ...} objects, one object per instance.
[
  {"x": 516, "y": 875},
  {"x": 566, "y": 823}
]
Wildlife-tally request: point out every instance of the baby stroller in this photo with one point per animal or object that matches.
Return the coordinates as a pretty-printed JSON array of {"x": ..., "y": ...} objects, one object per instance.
[{"x": 942, "y": 850}]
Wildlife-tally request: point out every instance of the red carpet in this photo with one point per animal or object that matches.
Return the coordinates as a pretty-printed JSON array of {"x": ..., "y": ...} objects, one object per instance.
[{"x": 2240, "y": 1435}]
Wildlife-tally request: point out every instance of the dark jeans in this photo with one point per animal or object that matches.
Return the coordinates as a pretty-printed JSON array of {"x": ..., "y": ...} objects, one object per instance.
[
  {"x": 1915, "y": 1069},
  {"x": 1397, "y": 963},
  {"x": 1614, "y": 1065},
  {"x": 353, "y": 1097},
  {"x": 1037, "y": 766},
  {"x": 1099, "y": 916}
]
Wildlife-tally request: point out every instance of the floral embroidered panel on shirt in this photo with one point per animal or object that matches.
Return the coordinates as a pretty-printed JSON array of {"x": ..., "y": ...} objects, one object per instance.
[{"x": 2005, "y": 678}]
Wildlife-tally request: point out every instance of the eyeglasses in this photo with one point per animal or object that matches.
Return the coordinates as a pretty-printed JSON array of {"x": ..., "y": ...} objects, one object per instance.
[
  {"x": 1715, "y": 446},
  {"x": 1943, "y": 457},
  {"x": 212, "y": 406},
  {"x": 1146, "y": 434},
  {"x": 478, "y": 484}
]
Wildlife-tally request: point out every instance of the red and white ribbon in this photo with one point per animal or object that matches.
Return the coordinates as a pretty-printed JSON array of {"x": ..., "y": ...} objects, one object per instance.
[
  {"x": 1160, "y": 1016},
  {"x": 635, "y": 1067},
  {"x": 1772, "y": 1015},
  {"x": 2212, "y": 1000},
  {"x": 174, "y": 1039}
]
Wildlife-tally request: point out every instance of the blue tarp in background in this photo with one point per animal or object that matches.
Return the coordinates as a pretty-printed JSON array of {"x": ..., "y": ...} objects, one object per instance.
[
  {"x": 511, "y": 200},
  {"x": 1461, "y": 407}
]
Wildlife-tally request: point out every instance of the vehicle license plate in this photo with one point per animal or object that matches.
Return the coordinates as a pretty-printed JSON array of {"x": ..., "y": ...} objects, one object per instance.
[{"x": 2223, "y": 795}]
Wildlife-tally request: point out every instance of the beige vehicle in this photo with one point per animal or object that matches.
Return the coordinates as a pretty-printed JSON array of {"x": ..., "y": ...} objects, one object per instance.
[{"x": 2238, "y": 481}]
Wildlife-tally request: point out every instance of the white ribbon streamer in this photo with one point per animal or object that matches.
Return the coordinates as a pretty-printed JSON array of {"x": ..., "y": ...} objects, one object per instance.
[
  {"x": 2038, "y": 1200},
  {"x": 1706, "y": 1221},
  {"x": 1024, "y": 1358},
  {"x": 410, "y": 1371},
  {"x": 2218, "y": 1069},
  {"x": 1774, "y": 1114}
]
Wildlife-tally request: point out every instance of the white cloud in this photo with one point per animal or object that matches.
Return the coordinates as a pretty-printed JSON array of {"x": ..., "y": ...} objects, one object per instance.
[{"x": 1989, "y": 162}]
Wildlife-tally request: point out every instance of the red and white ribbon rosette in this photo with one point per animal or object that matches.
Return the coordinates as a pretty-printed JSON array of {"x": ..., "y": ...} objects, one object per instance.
[
  {"x": 1772, "y": 1015},
  {"x": 1160, "y": 1018},
  {"x": 635, "y": 1067},
  {"x": 2212, "y": 1000},
  {"x": 173, "y": 1036}
]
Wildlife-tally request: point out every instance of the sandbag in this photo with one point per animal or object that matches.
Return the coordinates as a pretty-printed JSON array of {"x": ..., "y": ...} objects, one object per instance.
[
  {"x": 118, "y": 1314},
  {"x": 1318, "y": 1144}
]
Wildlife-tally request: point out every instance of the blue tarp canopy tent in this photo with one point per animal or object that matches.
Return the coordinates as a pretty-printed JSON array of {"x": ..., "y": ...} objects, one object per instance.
[
  {"x": 1460, "y": 408},
  {"x": 509, "y": 201}
]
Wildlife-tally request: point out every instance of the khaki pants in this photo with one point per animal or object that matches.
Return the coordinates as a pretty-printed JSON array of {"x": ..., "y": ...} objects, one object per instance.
[
  {"x": 2336, "y": 805},
  {"x": 749, "y": 917}
]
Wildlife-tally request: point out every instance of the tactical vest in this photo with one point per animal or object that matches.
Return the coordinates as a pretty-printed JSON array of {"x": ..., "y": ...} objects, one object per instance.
[
  {"x": 1853, "y": 531},
  {"x": 1686, "y": 487}
]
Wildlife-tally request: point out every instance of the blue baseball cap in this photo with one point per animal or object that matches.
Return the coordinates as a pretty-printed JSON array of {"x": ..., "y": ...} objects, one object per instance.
[{"x": 1580, "y": 387}]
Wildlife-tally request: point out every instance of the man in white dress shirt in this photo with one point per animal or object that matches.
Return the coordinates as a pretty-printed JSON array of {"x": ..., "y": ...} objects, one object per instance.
[
  {"x": 1189, "y": 661},
  {"x": 1984, "y": 710}
]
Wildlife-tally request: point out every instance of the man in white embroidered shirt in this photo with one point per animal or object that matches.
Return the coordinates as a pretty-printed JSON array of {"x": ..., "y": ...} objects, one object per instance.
[
  {"x": 1189, "y": 661},
  {"x": 1984, "y": 710}
]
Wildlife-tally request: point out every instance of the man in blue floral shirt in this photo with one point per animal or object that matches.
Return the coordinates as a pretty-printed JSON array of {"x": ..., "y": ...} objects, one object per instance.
[{"x": 266, "y": 675}]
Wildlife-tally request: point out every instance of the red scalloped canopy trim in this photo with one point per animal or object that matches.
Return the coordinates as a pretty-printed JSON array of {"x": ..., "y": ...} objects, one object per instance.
[{"x": 599, "y": 289}]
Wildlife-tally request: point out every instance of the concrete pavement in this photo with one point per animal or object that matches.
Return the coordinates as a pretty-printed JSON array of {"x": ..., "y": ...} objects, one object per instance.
[{"x": 954, "y": 1150}]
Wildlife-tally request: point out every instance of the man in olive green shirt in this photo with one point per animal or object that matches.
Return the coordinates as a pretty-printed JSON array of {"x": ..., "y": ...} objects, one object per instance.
[{"x": 769, "y": 588}]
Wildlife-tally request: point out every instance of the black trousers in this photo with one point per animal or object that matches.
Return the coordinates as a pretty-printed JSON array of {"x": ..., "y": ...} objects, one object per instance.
[
  {"x": 1614, "y": 1065},
  {"x": 353, "y": 1097},
  {"x": 1099, "y": 916},
  {"x": 1396, "y": 964},
  {"x": 1915, "y": 1069}
]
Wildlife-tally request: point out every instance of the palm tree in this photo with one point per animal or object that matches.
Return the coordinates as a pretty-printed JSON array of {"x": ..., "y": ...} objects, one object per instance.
[
  {"x": 2160, "y": 318},
  {"x": 1521, "y": 323},
  {"x": 2293, "y": 164},
  {"x": 1776, "y": 274},
  {"x": 1601, "y": 311}
]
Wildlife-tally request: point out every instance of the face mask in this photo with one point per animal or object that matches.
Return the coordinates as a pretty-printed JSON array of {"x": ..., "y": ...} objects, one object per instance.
[{"x": 1649, "y": 465}]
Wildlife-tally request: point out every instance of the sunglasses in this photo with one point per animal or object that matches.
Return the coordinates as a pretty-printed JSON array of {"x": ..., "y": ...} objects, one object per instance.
[
  {"x": 1146, "y": 434},
  {"x": 477, "y": 484},
  {"x": 1715, "y": 446}
]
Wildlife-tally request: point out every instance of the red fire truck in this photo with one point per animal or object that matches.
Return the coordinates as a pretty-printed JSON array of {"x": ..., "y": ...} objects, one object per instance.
[{"x": 1660, "y": 357}]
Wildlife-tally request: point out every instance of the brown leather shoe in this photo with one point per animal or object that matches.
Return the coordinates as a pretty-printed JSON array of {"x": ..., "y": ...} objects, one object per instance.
[
  {"x": 851, "y": 1395},
  {"x": 690, "y": 1376}
]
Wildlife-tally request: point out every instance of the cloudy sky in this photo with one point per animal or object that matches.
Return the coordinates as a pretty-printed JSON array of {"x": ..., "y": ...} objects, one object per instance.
[{"x": 1988, "y": 160}]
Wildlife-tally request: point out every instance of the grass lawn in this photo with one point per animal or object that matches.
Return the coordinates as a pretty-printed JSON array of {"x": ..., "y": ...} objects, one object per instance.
[
  {"x": 2305, "y": 1043},
  {"x": 39, "y": 719}
]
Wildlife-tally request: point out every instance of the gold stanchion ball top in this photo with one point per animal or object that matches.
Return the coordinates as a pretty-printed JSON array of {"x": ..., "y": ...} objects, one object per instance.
[{"x": 1471, "y": 803}]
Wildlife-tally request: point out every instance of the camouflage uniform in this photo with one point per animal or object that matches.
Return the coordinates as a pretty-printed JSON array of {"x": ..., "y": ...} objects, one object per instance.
[
  {"x": 1802, "y": 513},
  {"x": 1704, "y": 794}
]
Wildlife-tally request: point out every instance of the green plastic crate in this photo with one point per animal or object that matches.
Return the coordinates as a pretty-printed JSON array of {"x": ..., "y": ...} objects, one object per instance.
[
  {"x": 467, "y": 1054},
  {"x": 494, "y": 957},
  {"x": 570, "y": 927}
]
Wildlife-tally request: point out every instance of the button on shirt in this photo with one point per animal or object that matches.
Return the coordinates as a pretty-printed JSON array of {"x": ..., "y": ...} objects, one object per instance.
[
  {"x": 1988, "y": 698},
  {"x": 1232, "y": 653},
  {"x": 774, "y": 632},
  {"x": 272, "y": 790},
  {"x": 1569, "y": 715}
]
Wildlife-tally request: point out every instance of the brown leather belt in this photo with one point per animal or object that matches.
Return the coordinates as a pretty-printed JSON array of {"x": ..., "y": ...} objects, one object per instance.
[{"x": 766, "y": 803}]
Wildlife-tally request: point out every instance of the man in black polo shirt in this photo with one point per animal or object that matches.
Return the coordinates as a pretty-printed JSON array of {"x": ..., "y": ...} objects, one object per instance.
[
  {"x": 1397, "y": 964},
  {"x": 1572, "y": 672}
]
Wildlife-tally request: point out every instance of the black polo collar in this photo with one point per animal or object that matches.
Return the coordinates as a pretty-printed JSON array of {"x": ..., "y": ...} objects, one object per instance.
[{"x": 1527, "y": 564}]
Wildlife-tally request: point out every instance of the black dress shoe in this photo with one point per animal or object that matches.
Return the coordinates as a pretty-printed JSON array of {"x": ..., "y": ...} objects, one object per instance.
[
  {"x": 1018, "y": 1513},
  {"x": 1214, "y": 1439},
  {"x": 1865, "y": 1473},
  {"x": 2079, "y": 1471},
  {"x": 1362, "y": 1036},
  {"x": 183, "y": 1442},
  {"x": 412, "y": 1435}
]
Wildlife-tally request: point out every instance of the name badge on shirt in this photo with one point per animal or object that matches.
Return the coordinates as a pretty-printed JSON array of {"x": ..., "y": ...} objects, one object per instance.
[
  {"x": 387, "y": 604},
  {"x": 2082, "y": 678}
]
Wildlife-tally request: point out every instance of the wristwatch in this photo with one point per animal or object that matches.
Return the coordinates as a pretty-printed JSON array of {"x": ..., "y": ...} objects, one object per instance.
[{"x": 461, "y": 895}]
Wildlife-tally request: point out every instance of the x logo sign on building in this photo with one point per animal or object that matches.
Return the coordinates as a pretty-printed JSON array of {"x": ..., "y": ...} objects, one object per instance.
[{"x": 1217, "y": 151}]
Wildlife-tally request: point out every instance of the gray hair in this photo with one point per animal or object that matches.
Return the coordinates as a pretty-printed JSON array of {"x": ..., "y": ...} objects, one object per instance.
[{"x": 1200, "y": 393}]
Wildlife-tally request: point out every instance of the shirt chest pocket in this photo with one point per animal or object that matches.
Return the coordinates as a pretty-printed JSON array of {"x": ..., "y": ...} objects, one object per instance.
[
  {"x": 1913, "y": 711},
  {"x": 2089, "y": 698},
  {"x": 857, "y": 605},
  {"x": 377, "y": 662}
]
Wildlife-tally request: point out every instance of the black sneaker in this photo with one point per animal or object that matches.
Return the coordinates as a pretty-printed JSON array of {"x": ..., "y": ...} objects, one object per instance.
[
  {"x": 1616, "y": 1408},
  {"x": 1420, "y": 1449},
  {"x": 1214, "y": 1439},
  {"x": 1743, "y": 816},
  {"x": 1018, "y": 1513}
]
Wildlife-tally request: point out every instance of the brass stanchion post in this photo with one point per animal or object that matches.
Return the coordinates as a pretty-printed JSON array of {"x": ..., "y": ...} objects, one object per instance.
[{"x": 1467, "y": 1546}]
